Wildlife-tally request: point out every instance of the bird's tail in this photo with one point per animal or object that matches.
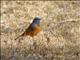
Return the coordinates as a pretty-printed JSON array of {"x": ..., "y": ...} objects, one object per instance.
[{"x": 18, "y": 37}]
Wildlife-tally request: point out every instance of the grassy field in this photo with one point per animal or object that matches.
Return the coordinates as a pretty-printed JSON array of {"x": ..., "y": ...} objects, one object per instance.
[{"x": 59, "y": 38}]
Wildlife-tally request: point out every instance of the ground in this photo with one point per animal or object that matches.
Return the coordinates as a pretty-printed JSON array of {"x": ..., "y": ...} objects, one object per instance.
[{"x": 59, "y": 38}]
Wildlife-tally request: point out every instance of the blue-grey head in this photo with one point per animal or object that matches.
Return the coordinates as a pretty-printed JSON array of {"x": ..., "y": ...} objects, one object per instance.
[{"x": 36, "y": 20}]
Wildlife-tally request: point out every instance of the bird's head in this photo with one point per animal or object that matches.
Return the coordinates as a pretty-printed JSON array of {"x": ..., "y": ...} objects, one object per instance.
[{"x": 36, "y": 20}]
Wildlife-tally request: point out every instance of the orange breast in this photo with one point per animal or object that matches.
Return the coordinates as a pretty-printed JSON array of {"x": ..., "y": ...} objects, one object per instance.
[{"x": 33, "y": 32}]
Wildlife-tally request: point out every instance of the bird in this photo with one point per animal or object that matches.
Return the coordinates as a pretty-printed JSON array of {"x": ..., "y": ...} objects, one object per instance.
[{"x": 33, "y": 29}]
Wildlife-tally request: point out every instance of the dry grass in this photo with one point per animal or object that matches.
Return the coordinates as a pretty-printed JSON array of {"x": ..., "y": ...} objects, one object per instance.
[{"x": 58, "y": 40}]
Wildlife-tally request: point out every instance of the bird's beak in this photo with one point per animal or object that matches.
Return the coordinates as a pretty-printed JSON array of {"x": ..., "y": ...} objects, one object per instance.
[{"x": 40, "y": 20}]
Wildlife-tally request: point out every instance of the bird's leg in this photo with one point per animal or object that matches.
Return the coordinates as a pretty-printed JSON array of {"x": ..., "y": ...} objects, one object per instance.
[{"x": 34, "y": 45}]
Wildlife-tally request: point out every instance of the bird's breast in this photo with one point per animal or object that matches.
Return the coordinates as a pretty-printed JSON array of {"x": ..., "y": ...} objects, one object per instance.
[{"x": 34, "y": 31}]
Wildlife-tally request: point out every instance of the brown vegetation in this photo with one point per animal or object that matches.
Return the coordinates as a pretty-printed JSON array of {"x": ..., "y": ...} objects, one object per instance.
[{"x": 58, "y": 40}]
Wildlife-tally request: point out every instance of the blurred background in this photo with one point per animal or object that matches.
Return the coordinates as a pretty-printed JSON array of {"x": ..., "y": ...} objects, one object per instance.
[{"x": 59, "y": 38}]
